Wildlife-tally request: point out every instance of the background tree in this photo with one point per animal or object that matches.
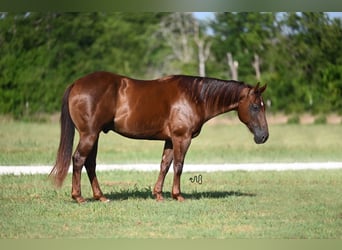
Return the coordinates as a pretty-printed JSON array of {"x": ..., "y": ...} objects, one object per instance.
[
  {"x": 246, "y": 36},
  {"x": 203, "y": 44},
  {"x": 304, "y": 64},
  {"x": 298, "y": 54},
  {"x": 188, "y": 42},
  {"x": 177, "y": 31},
  {"x": 41, "y": 53}
]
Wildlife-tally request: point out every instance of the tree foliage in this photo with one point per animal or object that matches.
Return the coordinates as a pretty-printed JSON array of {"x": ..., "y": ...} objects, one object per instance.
[
  {"x": 297, "y": 54},
  {"x": 307, "y": 63},
  {"x": 300, "y": 56}
]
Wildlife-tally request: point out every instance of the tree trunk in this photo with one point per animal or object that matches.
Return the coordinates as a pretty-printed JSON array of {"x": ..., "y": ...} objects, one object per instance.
[
  {"x": 177, "y": 29},
  {"x": 256, "y": 65},
  {"x": 203, "y": 49},
  {"x": 233, "y": 65}
]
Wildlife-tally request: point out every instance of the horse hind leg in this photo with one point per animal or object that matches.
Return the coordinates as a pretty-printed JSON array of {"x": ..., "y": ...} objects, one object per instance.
[
  {"x": 84, "y": 148},
  {"x": 90, "y": 165},
  {"x": 164, "y": 168}
]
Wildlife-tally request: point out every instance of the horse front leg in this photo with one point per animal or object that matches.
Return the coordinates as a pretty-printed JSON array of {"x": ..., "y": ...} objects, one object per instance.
[
  {"x": 166, "y": 161},
  {"x": 180, "y": 147}
]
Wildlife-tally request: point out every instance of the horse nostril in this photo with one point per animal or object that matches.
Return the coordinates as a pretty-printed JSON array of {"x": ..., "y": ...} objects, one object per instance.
[{"x": 261, "y": 139}]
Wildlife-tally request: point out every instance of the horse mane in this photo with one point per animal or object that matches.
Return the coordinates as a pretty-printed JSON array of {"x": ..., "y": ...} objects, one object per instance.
[{"x": 212, "y": 91}]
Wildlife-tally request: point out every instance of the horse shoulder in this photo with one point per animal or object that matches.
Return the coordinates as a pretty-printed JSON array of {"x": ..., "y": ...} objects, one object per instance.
[{"x": 185, "y": 118}]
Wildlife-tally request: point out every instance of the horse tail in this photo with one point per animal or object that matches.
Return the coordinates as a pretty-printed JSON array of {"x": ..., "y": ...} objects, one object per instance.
[{"x": 61, "y": 167}]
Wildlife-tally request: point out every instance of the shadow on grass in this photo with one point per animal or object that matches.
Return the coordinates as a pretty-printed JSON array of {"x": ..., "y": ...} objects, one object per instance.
[
  {"x": 146, "y": 193},
  {"x": 216, "y": 194}
]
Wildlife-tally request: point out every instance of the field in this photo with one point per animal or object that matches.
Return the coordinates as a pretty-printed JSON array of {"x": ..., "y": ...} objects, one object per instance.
[
  {"x": 36, "y": 143},
  {"x": 296, "y": 205},
  {"x": 237, "y": 204}
]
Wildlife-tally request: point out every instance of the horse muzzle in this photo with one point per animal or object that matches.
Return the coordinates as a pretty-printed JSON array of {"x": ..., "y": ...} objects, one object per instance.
[{"x": 260, "y": 138}]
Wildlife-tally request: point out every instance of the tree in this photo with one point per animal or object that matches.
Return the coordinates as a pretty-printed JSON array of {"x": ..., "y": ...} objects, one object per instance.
[
  {"x": 299, "y": 55},
  {"x": 41, "y": 53},
  {"x": 185, "y": 36},
  {"x": 233, "y": 66},
  {"x": 306, "y": 52},
  {"x": 203, "y": 47},
  {"x": 246, "y": 36}
]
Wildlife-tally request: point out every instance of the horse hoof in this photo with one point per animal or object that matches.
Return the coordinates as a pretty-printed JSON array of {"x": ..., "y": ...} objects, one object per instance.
[
  {"x": 102, "y": 199},
  {"x": 180, "y": 198},
  {"x": 79, "y": 200},
  {"x": 160, "y": 199},
  {"x": 105, "y": 200}
]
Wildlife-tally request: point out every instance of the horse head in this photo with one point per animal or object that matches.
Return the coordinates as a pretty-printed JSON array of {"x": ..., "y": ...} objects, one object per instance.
[{"x": 251, "y": 111}]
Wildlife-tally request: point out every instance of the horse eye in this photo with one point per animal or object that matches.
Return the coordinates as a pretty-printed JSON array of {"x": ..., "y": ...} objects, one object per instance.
[{"x": 255, "y": 107}]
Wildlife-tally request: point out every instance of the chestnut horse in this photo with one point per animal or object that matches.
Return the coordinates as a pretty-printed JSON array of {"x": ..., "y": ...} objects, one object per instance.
[{"x": 172, "y": 109}]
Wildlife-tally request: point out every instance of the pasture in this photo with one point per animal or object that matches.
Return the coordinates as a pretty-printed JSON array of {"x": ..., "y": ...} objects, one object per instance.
[
  {"x": 288, "y": 204},
  {"x": 237, "y": 204},
  {"x": 36, "y": 143}
]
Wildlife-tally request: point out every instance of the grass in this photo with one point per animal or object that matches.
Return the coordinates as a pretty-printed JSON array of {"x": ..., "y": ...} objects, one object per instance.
[
  {"x": 239, "y": 204},
  {"x": 36, "y": 143},
  {"x": 301, "y": 204}
]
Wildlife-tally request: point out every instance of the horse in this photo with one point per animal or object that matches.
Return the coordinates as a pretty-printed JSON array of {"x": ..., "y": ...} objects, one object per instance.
[{"x": 172, "y": 109}]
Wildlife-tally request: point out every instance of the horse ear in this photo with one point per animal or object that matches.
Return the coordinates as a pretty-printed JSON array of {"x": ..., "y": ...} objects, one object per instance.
[
  {"x": 262, "y": 89},
  {"x": 255, "y": 89}
]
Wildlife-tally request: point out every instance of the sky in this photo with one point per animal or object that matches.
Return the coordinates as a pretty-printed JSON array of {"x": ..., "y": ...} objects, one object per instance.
[
  {"x": 210, "y": 15},
  {"x": 335, "y": 14},
  {"x": 204, "y": 15}
]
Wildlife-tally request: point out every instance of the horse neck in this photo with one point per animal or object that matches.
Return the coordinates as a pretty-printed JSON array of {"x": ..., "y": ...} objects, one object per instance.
[{"x": 221, "y": 97}]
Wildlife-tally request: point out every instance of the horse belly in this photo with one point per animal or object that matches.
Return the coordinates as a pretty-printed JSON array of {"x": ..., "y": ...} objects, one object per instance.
[
  {"x": 141, "y": 129},
  {"x": 141, "y": 125},
  {"x": 143, "y": 110}
]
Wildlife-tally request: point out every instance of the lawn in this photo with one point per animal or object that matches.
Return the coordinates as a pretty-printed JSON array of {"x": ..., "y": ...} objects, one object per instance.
[
  {"x": 288, "y": 204},
  {"x": 36, "y": 144},
  {"x": 237, "y": 204}
]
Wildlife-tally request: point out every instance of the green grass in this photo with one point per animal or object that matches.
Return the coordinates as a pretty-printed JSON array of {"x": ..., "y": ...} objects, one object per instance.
[
  {"x": 288, "y": 204},
  {"x": 36, "y": 143}
]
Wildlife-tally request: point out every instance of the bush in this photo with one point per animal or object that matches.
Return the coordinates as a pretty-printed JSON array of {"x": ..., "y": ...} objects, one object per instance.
[
  {"x": 293, "y": 120},
  {"x": 322, "y": 119}
]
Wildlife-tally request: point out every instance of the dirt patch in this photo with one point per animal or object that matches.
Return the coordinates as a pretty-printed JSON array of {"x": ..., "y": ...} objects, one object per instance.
[
  {"x": 54, "y": 118},
  {"x": 306, "y": 119},
  {"x": 277, "y": 118},
  {"x": 334, "y": 119}
]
